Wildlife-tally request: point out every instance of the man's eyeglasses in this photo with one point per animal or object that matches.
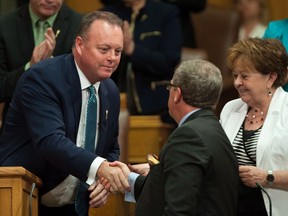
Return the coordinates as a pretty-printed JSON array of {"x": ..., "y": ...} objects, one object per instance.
[{"x": 170, "y": 85}]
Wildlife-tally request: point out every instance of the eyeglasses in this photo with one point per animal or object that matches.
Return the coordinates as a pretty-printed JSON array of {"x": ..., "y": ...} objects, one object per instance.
[{"x": 170, "y": 85}]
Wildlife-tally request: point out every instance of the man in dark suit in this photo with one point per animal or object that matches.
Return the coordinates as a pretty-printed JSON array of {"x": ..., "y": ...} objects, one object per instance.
[
  {"x": 46, "y": 122},
  {"x": 196, "y": 172},
  {"x": 18, "y": 48}
]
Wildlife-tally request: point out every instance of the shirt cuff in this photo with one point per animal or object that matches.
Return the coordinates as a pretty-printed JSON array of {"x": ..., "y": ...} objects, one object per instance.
[
  {"x": 129, "y": 196},
  {"x": 93, "y": 169}
]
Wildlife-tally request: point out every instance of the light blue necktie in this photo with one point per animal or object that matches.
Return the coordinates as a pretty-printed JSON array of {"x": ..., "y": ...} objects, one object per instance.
[{"x": 81, "y": 204}]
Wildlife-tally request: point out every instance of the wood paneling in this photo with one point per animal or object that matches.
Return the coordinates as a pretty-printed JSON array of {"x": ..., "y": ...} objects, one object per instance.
[
  {"x": 84, "y": 6},
  {"x": 147, "y": 134},
  {"x": 115, "y": 206},
  {"x": 277, "y": 9},
  {"x": 15, "y": 188}
]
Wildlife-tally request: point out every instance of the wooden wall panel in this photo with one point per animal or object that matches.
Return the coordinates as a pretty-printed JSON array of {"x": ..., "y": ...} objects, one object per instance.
[
  {"x": 221, "y": 3},
  {"x": 84, "y": 6},
  {"x": 278, "y": 9}
]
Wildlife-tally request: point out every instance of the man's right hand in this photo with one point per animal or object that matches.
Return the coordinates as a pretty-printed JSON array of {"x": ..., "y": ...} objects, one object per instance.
[{"x": 115, "y": 176}]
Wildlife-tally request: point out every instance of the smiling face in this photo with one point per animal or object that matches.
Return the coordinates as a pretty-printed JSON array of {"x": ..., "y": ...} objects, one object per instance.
[
  {"x": 252, "y": 86},
  {"x": 99, "y": 53},
  {"x": 45, "y": 8}
]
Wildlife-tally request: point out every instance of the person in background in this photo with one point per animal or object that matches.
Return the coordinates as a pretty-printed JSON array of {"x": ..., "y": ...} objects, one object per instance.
[
  {"x": 252, "y": 14},
  {"x": 278, "y": 29},
  {"x": 47, "y": 124},
  {"x": 186, "y": 7},
  {"x": 257, "y": 124},
  {"x": 196, "y": 172},
  {"x": 152, "y": 49},
  {"x": 23, "y": 42}
]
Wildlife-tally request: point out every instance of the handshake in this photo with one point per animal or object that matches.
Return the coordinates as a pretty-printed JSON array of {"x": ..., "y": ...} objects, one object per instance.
[
  {"x": 113, "y": 178},
  {"x": 116, "y": 173}
]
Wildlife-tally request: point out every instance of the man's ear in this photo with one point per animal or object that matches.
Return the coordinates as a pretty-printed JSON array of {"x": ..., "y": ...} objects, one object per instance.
[
  {"x": 79, "y": 44},
  {"x": 177, "y": 95}
]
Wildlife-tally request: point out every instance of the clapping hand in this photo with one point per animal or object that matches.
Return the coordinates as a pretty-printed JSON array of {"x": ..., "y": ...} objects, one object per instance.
[{"x": 45, "y": 49}]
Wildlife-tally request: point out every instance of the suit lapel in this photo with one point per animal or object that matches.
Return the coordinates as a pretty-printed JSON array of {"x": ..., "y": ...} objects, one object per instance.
[
  {"x": 74, "y": 88},
  {"x": 234, "y": 123},
  {"x": 61, "y": 23},
  {"x": 104, "y": 107}
]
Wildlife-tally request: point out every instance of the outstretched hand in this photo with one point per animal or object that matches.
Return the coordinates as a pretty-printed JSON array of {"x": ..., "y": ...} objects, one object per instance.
[{"x": 116, "y": 176}]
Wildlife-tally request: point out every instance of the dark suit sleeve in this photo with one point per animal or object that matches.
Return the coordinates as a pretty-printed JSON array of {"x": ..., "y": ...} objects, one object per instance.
[{"x": 139, "y": 183}]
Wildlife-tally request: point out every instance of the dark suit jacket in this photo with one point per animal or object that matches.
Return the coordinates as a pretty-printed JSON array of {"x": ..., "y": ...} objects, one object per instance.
[
  {"x": 17, "y": 44},
  {"x": 43, "y": 119},
  {"x": 197, "y": 173},
  {"x": 157, "y": 37}
]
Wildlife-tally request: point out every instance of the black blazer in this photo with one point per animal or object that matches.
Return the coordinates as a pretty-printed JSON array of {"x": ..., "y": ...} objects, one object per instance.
[
  {"x": 17, "y": 44},
  {"x": 42, "y": 123},
  {"x": 197, "y": 173}
]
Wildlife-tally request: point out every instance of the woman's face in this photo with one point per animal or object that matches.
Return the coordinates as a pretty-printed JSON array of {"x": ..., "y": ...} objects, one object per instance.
[
  {"x": 252, "y": 86},
  {"x": 249, "y": 9}
]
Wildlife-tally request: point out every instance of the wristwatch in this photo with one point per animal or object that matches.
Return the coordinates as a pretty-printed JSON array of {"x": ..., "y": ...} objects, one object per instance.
[{"x": 270, "y": 178}]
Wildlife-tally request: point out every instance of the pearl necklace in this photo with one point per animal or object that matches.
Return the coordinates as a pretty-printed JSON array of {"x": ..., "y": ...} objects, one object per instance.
[{"x": 255, "y": 117}]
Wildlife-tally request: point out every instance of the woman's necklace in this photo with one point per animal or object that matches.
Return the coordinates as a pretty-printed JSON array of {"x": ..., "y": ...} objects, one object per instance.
[{"x": 255, "y": 116}]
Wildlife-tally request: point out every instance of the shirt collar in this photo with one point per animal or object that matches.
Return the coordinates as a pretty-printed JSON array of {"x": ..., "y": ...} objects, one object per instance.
[
  {"x": 84, "y": 82},
  {"x": 186, "y": 116}
]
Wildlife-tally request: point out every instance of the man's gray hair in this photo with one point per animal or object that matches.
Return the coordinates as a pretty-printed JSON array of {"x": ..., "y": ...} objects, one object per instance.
[{"x": 200, "y": 82}]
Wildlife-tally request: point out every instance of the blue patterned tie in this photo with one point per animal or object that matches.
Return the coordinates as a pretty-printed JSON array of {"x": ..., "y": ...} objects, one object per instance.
[
  {"x": 91, "y": 120},
  {"x": 81, "y": 204}
]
